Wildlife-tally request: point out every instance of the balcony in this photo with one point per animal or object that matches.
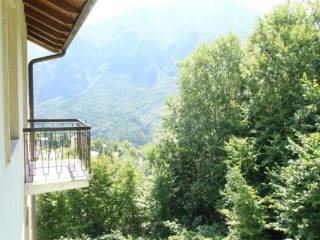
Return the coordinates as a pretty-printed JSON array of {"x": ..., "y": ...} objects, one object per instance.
[{"x": 56, "y": 155}]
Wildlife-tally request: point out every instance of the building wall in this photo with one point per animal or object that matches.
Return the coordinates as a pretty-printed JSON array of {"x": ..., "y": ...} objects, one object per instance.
[{"x": 13, "y": 109}]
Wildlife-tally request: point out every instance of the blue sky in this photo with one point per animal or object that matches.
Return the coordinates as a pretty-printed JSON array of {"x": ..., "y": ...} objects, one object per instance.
[{"x": 105, "y": 9}]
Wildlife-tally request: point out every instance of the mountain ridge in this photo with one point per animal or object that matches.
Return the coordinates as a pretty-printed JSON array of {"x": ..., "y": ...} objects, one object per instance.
[{"x": 117, "y": 73}]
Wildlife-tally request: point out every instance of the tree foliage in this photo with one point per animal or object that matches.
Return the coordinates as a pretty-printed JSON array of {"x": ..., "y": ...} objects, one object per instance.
[
  {"x": 298, "y": 192},
  {"x": 238, "y": 147},
  {"x": 206, "y": 111},
  {"x": 228, "y": 130},
  {"x": 109, "y": 203},
  {"x": 243, "y": 209}
]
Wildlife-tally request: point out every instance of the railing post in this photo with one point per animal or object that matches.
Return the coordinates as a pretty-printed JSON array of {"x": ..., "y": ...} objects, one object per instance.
[
  {"x": 88, "y": 151},
  {"x": 32, "y": 159}
]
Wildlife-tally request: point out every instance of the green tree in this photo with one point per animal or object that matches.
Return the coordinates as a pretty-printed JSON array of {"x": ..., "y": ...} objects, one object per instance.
[
  {"x": 298, "y": 190},
  {"x": 51, "y": 216},
  {"x": 280, "y": 51},
  {"x": 241, "y": 152},
  {"x": 109, "y": 203},
  {"x": 239, "y": 143},
  {"x": 243, "y": 210},
  {"x": 209, "y": 108}
]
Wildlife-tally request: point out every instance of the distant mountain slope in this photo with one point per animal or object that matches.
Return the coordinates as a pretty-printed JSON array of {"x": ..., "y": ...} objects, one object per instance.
[{"x": 116, "y": 74}]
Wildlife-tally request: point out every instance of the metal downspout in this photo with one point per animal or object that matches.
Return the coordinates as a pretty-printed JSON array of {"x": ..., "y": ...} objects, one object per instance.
[
  {"x": 32, "y": 221},
  {"x": 30, "y": 73}
]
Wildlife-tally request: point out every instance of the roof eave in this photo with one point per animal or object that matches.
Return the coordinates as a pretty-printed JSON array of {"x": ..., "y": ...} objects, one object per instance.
[{"x": 80, "y": 20}]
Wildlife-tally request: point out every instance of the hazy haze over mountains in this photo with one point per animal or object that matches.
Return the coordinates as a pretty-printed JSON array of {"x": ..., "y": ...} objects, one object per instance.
[{"x": 118, "y": 71}]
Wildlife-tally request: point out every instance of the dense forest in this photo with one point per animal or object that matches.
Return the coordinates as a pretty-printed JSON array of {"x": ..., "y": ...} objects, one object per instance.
[{"x": 237, "y": 155}]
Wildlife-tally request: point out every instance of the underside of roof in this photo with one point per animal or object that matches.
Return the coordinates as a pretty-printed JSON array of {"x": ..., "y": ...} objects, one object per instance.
[{"x": 52, "y": 24}]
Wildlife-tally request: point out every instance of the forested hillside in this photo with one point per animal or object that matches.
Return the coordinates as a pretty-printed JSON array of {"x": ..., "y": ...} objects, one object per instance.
[
  {"x": 237, "y": 155},
  {"x": 117, "y": 73}
]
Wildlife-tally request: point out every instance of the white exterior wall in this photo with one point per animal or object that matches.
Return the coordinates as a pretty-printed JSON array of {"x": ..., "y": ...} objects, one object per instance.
[{"x": 12, "y": 199}]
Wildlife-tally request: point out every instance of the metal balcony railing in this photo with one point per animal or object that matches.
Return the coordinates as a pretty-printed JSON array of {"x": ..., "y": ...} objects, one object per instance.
[{"x": 56, "y": 149}]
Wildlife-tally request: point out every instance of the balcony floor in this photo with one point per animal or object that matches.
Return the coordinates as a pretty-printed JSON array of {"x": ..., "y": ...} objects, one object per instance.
[{"x": 55, "y": 175}]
